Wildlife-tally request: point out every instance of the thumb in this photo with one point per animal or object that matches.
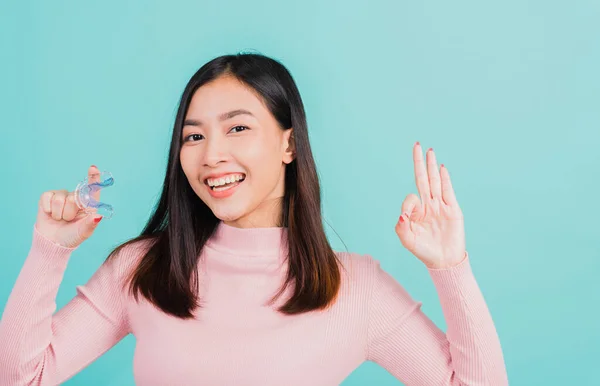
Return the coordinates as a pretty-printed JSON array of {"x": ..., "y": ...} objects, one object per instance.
[{"x": 89, "y": 225}]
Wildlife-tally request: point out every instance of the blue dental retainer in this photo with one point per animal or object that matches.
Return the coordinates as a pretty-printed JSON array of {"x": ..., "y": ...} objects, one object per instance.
[{"x": 87, "y": 190}]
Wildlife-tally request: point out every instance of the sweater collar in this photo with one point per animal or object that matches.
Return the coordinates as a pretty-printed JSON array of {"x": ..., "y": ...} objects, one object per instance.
[{"x": 258, "y": 244}]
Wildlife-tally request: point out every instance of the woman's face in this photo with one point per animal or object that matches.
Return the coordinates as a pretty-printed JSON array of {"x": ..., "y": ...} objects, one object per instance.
[{"x": 234, "y": 154}]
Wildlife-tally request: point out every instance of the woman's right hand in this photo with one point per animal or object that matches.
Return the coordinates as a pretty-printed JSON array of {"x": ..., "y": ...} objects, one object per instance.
[{"x": 60, "y": 220}]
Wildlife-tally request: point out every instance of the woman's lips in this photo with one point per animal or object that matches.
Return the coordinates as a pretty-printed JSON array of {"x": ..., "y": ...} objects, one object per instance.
[{"x": 224, "y": 191}]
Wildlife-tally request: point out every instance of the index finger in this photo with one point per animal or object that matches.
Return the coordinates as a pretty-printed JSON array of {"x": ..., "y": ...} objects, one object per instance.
[{"x": 421, "y": 177}]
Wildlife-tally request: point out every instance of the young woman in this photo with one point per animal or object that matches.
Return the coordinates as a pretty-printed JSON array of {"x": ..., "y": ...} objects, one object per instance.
[{"x": 233, "y": 281}]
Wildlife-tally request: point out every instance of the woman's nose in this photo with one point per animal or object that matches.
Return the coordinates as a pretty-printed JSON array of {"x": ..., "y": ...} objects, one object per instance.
[{"x": 215, "y": 152}]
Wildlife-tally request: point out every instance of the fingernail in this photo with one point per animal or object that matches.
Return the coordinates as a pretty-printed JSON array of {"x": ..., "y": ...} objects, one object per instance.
[
  {"x": 97, "y": 219},
  {"x": 402, "y": 218},
  {"x": 442, "y": 165},
  {"x": 417, "y": 144},
  {"x": 94, "y": 166},
  {"x": 430, "y": 149}
]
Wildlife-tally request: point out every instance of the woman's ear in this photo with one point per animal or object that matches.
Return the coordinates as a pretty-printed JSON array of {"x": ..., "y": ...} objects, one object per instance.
[{"x": 290, "y": 146}]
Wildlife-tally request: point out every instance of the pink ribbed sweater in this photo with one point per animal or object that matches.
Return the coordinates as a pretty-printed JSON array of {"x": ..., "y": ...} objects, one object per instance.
[{"x": 236, "y": 339}]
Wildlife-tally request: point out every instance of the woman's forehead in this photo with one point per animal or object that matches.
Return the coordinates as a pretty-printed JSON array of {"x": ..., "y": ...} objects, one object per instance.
[{"x": 223, "y": 98}]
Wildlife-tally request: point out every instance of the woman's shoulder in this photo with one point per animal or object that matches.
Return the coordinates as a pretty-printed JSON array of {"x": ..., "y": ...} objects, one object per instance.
[
  {"x": 357, "y": 266},
  {"x": 127, "y": 255},
  {"x": 366, "y": 277}
]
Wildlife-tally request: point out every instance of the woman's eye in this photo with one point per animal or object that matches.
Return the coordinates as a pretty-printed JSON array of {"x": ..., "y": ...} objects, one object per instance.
[
  {"x": 238, "y": 129},
  {"x": 195, "y": 137}
]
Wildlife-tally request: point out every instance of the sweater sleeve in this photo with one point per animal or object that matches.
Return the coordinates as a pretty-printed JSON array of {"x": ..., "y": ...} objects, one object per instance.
[
  {"x": 404, "y": 341},
  {"x": 40, "y": 347}
]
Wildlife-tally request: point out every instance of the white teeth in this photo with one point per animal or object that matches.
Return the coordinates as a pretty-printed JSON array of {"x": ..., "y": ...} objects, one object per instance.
[
  {"x": 226, "y": 180},
  {"x": 221, "y": 188}
]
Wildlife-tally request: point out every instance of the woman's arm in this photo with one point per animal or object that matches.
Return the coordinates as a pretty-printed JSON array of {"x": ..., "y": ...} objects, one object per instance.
[
  {"x": 39, "y": 348},
  {"x": 411, "y": 347}
]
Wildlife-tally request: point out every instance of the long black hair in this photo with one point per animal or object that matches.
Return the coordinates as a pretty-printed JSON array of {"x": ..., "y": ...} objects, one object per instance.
[{"x": 181, "y": 223}]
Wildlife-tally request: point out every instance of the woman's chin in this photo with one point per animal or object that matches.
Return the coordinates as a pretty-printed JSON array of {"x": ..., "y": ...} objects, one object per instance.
[{"x": 228, "y": 216}]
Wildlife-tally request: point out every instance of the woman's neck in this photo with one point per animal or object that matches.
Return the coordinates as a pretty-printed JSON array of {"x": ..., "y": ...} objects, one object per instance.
[{"x": 267, "y": 215}]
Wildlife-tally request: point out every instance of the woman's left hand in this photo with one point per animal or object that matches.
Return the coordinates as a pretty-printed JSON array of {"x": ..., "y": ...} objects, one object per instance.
[{"x": 432, "y": 226}]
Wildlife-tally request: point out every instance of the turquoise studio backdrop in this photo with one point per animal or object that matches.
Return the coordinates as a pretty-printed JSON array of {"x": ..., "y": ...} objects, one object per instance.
[{"x": 507, "y": 93}]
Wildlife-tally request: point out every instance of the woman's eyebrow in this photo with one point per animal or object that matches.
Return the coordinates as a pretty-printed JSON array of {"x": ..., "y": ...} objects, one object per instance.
[{"x": 222, "y": 117}]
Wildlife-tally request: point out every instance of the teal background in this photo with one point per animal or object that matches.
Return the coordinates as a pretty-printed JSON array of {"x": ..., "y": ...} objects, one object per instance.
[{"x": 507, "y": 93}]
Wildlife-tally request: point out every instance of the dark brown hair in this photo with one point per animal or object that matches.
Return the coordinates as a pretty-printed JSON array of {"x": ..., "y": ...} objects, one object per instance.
[{"x": 181, "y": 223}]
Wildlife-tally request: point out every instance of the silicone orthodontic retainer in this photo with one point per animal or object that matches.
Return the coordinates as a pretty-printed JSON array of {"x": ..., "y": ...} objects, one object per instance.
[{"x": 85, "y": 193}]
